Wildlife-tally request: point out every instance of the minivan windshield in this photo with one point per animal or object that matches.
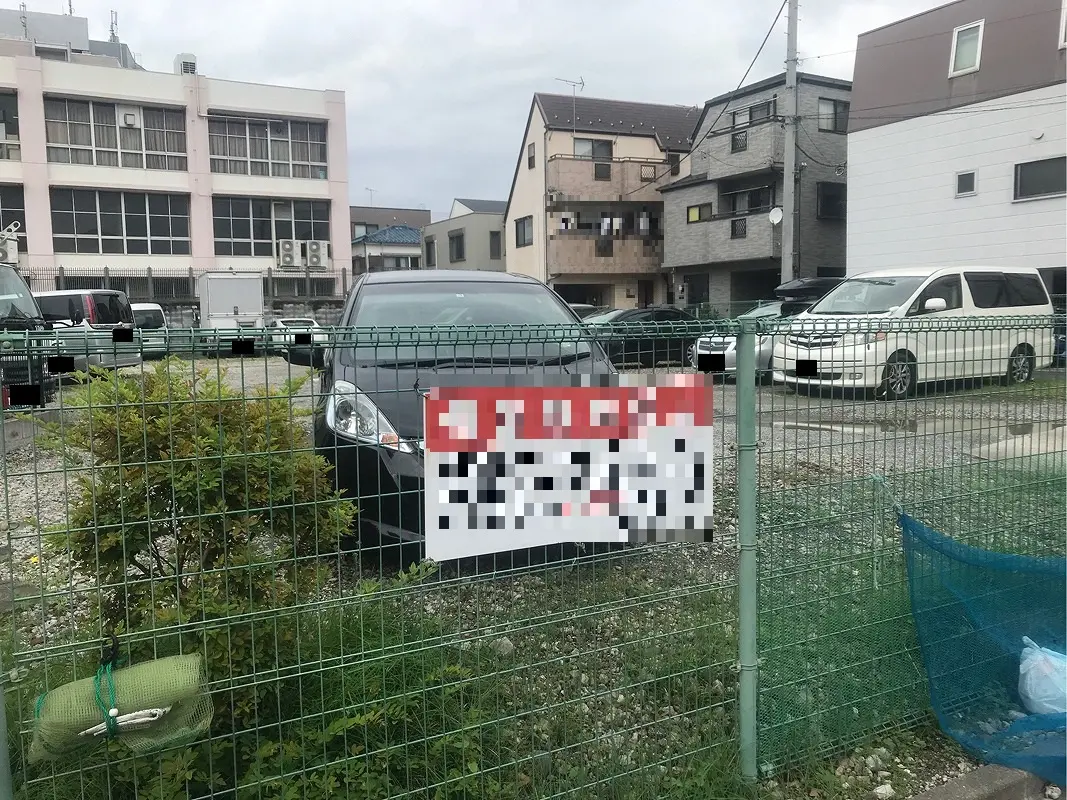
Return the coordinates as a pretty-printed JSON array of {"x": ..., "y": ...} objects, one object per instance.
[
  {"x": 16, "y": 302},
  {"x": 868, "y": 295},
  {"x": 463, "y": 303}
]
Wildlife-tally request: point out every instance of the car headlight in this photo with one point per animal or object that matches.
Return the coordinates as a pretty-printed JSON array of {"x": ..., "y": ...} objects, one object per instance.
[
  {"x": 864, "y": 338},
  {"x": 350, "y": 413}
]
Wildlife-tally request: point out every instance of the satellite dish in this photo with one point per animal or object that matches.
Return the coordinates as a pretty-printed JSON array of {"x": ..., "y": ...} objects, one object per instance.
[{"x": 775, "y": 216}]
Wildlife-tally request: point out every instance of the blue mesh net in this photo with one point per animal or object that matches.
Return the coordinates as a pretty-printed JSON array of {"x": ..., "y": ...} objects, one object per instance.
[{"x": 972, "y": 608}]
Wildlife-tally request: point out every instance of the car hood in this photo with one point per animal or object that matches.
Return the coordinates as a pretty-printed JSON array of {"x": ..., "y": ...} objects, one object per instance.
[{"x": 398, "y": 393}]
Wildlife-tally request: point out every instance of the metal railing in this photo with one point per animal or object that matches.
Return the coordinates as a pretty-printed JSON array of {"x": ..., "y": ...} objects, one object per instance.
[{"x": 193, "y": 496}]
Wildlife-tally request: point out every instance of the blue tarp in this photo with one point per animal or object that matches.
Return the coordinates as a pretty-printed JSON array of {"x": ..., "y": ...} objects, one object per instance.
[{"x": 972, "y": 608}]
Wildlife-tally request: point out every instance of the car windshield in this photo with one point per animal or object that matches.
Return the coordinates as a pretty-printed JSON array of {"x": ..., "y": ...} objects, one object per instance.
[
  {"x": 298, "y": 323},
  {"x": 765, "y": 310},
  {"x": 868, "y": 295},
  {"x": 15, "y": 298},
  {"x": 149, "y": 318},
  {"x": 462, "y": 303},
  {"x": 605, "y": 316}
]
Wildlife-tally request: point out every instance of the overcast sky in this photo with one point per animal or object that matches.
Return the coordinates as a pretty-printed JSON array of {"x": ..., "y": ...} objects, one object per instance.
[{"x": 438, "y": 90}]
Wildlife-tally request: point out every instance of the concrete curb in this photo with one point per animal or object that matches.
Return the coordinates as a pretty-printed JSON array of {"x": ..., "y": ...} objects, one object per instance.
[{"x": 989, "y": 783}]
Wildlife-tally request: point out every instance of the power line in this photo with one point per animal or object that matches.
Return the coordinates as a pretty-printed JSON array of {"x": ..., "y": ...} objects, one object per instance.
[
  {"x": 990, "y": 95},
  {"x": 918, "y": 38},
  {"x": 949, "y": 112},
  {"x": 722, "y": 110}
]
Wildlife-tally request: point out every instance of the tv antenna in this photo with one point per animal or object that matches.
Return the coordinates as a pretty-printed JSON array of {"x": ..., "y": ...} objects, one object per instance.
[
  {"x": 371, "y": 192},
  {"x": 576, "y": 86},
  {"x": 114, "y": 27}
]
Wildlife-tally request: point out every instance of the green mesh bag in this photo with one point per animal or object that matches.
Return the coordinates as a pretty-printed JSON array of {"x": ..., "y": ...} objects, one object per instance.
[{"x": 147, "y": 707}]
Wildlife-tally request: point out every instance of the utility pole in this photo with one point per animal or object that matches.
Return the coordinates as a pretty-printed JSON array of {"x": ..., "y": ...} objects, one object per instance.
[{"x": 789, "y": 179}]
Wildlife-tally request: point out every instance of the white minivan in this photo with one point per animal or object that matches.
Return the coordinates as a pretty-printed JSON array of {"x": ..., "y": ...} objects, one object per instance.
[{"x": 895, "y": 360}]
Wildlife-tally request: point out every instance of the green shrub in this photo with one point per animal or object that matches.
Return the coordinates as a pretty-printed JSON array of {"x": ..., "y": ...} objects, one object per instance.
[{"x": 206, "y": 520}]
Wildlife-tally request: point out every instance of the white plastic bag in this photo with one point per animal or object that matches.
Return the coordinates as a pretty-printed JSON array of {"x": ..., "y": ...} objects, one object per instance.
[{"x": 1042, "y": 679}]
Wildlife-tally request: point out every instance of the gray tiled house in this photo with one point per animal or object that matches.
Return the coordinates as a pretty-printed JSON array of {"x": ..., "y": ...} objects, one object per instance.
[{"x": 719, "y": 244}]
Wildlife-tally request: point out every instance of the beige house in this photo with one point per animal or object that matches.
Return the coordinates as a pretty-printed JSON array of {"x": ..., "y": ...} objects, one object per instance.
[{"x": 584, "y": 213}]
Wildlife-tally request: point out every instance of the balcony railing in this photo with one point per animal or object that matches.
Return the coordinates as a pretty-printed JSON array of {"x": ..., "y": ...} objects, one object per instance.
[
  {"x": 579, "y": 179},
  {"x": 604, "y": 255}
]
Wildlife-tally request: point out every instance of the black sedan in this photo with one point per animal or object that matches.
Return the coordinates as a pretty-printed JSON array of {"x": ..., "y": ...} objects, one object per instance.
[
  {"x": 369, "y": 424},
  {"x": 647, "y": 349}
]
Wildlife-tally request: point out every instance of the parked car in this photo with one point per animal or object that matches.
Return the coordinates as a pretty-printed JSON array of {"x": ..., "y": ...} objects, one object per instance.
[
  {"x": 282, "y": 332},
  {"x": 84, "y": 320},
  {"x": 369, "y": 424},
  {"x": 894, "y": 362},
  {"x": 638, "y": 349},
  {"x": 21, "y": 366},
  {"x": 152, "y": 324},
  {"x": 794, "y": 296}
]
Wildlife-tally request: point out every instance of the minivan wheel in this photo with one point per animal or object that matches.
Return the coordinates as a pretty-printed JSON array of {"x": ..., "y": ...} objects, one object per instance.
[
  {"x": 691, "y": 355},
  {"x": 898, "y": 377},
  {"x": 1020, "y": 366}
]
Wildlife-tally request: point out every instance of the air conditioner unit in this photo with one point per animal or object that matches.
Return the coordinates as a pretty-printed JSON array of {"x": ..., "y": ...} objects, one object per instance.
[
  {"x": 318, "y": 253},
  {"x": 288, "y": 253},
  {"x": 9, "y": 251}
]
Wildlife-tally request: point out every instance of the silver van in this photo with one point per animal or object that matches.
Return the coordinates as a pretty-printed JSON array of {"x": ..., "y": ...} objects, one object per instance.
[{"x": 84, "y": 320}]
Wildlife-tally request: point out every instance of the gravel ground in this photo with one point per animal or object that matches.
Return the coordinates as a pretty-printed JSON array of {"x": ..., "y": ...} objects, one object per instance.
[{"x": 610, "y": 659}]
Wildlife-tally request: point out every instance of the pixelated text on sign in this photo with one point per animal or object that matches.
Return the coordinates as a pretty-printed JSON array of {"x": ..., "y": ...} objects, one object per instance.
[{"x": 511, "y": 467}]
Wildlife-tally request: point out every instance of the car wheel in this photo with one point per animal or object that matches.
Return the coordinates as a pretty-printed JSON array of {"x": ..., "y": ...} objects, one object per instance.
[
  {"x": 898, "y": 377},
  {"x": 691, "y": 355},
  {"x": 1020, "y": 366}
]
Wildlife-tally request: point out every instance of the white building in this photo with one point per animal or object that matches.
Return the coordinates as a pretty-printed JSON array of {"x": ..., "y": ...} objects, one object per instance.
[
  {"x": 146, "y": 179},
  {"x": 957, "y": 144}
]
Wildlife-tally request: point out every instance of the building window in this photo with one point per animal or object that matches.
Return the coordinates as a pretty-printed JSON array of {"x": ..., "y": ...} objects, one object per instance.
[
  {"x": 675, "y": 160},
  {"x": 9, "y": 127},
  {"x": 456, "y": 247},
  {"x": 602, "y": 171},
  {"x": 80, "y": 132},
  {"x": 597, "y": 149},
  {"x": 431, "y": 252},
  {"x": 362, "y": 229},
  {"x": 739, "y": 228},
  {"x": 1045, "y": 178},
  {"x": 831, "y": 200},
  {"x": 13, "y": 209},
  {"x": 648, "y": 173},
  {"x": 738, "y": 141},
  {"x": 131, "y": 223},
  {"x": 605, "y": 247},
  {"x": 701, "y": 213},
  {"x": 749, "y": 201},
  {"x": 966, "y": 49},
  {"x": 250, "y": 226},
  {"x": 495, "y": 246},
  {"x": 760, "y": 112},
  {"x": 833, "y": 115},
  {"x": 1063, "y": 25},
  {"x": 966, "y": 183},
  {"x": 530, "y": 156},
  {"x": 524, "y": 231},
  {"x": 278, "y": 148}
]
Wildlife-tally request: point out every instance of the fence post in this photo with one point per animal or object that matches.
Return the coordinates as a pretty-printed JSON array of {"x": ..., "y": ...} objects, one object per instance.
[
  {"x": 7, "y": 788},
  {"x": 747, "y": 583}
]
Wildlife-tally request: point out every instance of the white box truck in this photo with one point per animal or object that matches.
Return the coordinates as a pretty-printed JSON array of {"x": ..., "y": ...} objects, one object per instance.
[{"x": 229, "y": 301}]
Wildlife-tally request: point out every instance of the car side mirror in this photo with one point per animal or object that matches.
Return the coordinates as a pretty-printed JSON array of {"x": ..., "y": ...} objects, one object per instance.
[
  {"x": 306, "y": 356},
  {"x": 77, "y": 318},
  {"x": 935, "y": 304}
]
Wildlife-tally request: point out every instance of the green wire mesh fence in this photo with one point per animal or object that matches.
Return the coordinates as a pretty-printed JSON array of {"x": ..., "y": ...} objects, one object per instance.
[{"x": 196, "y": 503}]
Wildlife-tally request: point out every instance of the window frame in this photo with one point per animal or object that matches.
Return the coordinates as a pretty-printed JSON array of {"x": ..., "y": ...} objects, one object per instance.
[
  {"x": 232, "y": 151},
  {"x": 457, "y": 253},
  {"x": 837, "y": 105},
  {"x": 430, "y": 250},
  {"x": 601, "y": 170},
  {"x": 952, "y": 71},
  {"x": 530, "y": 156},
  {"x": 820, "y": 200},
  {"x": 700, "y": 217},
  {"x": 496, "y": 238},
  {"x": 142, "y": 208},
  {"x": 592, "y": 148},
  {"x": 104, "y": 117},
  {"x": 524, "y": 224},
  {"x": 1019, "y": 198},
  {"x": 1063, "y": 25},
  {"x": 675, "y": 159},
  {"x": 269, "y": 220},
  {"x": 974, "y": 183},
  {"x": 925, "y": 294}
]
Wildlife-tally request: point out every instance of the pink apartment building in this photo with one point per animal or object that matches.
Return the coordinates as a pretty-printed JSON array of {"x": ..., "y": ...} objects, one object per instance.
[{"x": 147, "y": 179}]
